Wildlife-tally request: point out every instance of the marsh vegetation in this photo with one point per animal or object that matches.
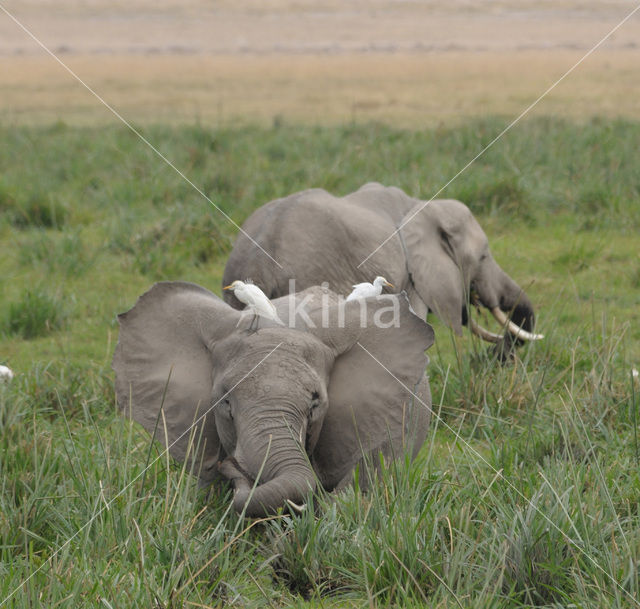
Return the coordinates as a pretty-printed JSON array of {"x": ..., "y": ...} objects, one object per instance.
[{"x": 526, "y": 492}]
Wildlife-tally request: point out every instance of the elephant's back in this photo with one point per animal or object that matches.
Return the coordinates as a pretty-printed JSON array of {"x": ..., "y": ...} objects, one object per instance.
[
  {"x": 388, "y": 202},
  {"x": 314, "y": 237},
  {"x": 257, "y": 250},
  {"x": 263, "y": 224},
  {"x": 354, "y": 211},
  {"x": 323, "y": 238}
]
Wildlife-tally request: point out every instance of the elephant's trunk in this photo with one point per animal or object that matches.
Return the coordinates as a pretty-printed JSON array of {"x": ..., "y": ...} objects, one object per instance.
[
  {"x": 264, "y": 499},
  {"x": 499, "y": 291},
  {"x": 517, "y": 304},
  {"x": 512, "y": 308},
  {"x": 284, "y": 466}
]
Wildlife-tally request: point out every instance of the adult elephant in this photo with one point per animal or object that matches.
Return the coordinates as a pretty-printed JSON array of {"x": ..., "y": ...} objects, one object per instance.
[
  {"x": 436, "y": 252},
  {"x": 283, "y": 409}
]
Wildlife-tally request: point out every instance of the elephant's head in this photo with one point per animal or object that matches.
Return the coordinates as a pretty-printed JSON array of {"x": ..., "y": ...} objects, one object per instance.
[
  {"x": 451, "y": 267},
  {"x": 265, "y": 408}
]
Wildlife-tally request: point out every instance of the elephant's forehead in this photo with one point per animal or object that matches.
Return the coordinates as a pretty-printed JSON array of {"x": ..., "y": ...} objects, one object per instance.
[
  {"x": 286, "y": 378},
  {"x": 271, "y": 347},
  {"x": 283, "y": 339},
  {"x": 282, "y": 370}
]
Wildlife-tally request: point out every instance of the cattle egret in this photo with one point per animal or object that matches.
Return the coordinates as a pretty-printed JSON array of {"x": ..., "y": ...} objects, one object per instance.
[
  {"x": 6, "y": 374},
  {"x": 366, "y": 290},
  {"x": 255, "y": 299}
]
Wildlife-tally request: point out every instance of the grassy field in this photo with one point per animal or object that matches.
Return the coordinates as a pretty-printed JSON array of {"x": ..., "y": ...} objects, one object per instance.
[{"x": 527, "y": 492}]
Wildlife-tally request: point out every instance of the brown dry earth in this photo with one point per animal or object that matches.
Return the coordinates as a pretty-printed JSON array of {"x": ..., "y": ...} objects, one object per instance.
[{"x": 409, "y": 63}]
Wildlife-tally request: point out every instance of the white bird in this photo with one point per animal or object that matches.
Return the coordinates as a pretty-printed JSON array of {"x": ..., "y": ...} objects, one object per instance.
[
  {"x": 6, "y": 374},
  {"x": 255, "y": 299},
  {"x": 366, "y": 290}
]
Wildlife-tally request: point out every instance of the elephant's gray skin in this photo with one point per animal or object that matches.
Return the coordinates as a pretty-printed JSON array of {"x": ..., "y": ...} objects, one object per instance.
[
  {"x": 296, "y": 405},
  {"x": 440, "y": 256}
]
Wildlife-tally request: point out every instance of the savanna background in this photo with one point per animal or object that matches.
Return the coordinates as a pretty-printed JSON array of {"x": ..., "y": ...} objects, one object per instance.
[{"x": 527, "y": 491}]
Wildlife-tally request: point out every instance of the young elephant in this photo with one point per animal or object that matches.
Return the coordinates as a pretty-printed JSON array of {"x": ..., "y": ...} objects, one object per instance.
[{"x": 291, "y": 406}]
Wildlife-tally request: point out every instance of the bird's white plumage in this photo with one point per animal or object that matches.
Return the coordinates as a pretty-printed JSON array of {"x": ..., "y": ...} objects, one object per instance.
[
  {"x": 5, "y": 373},
  {"x": 255, "y": 299},
  {"x": 367, "y": 290}
]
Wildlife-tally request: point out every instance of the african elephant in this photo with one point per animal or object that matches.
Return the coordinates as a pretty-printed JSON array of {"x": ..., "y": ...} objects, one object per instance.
[
  {"x": 434, "y": 251},
  {"x": 292, "y": 405}
]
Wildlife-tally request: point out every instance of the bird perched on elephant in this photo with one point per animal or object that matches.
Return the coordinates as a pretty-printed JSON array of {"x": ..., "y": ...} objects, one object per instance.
[
  {"x": 255, "y": 300},
  {"x": 366, "y": 290},
  {"x": 286, "y": 409},
  {"x": 435, "y": 251}
]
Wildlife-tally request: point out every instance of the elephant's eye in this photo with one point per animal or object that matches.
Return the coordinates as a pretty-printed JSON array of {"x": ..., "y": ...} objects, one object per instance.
[
  {"x": 227, "y": 407},
  {"x": 315, "y": 399}
]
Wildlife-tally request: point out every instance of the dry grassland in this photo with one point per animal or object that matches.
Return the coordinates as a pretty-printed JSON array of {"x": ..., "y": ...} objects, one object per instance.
[
  {"x": 411, "y": 90},
  {"x": 407, "y": 63}
]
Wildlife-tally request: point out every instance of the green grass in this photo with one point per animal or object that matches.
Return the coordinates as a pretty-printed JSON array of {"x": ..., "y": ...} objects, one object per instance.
[
  {"x": 527, "y": 492},
  {"x": 36, "y": 313}
]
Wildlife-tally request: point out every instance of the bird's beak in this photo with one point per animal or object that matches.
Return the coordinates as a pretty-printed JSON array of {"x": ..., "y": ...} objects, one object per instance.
[
  {"x": 226, "y": 287},
  {"x": 389, "y": 284}
]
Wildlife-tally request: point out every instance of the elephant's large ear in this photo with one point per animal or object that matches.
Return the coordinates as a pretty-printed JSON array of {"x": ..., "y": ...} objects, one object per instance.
[
  {"x": 378, "y": 392},
  {"x": 163, "y": 362},
  {"x": 430, "y": 232}
]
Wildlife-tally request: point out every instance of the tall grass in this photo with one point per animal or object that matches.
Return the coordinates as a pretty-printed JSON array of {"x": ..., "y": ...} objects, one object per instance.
[
  {"x": 86, "y": 524},
  {"x": 526, "y": 491},
  {"x": 504, "y": 508},
  {"x": 36, "y": 313}
]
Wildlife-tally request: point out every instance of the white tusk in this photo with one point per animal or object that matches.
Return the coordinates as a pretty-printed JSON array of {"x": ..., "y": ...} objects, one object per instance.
[
  {"x": 490, "y": 337},
  {"x": 517, "y": 331},
  {"x": 298, "y": 508}
]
